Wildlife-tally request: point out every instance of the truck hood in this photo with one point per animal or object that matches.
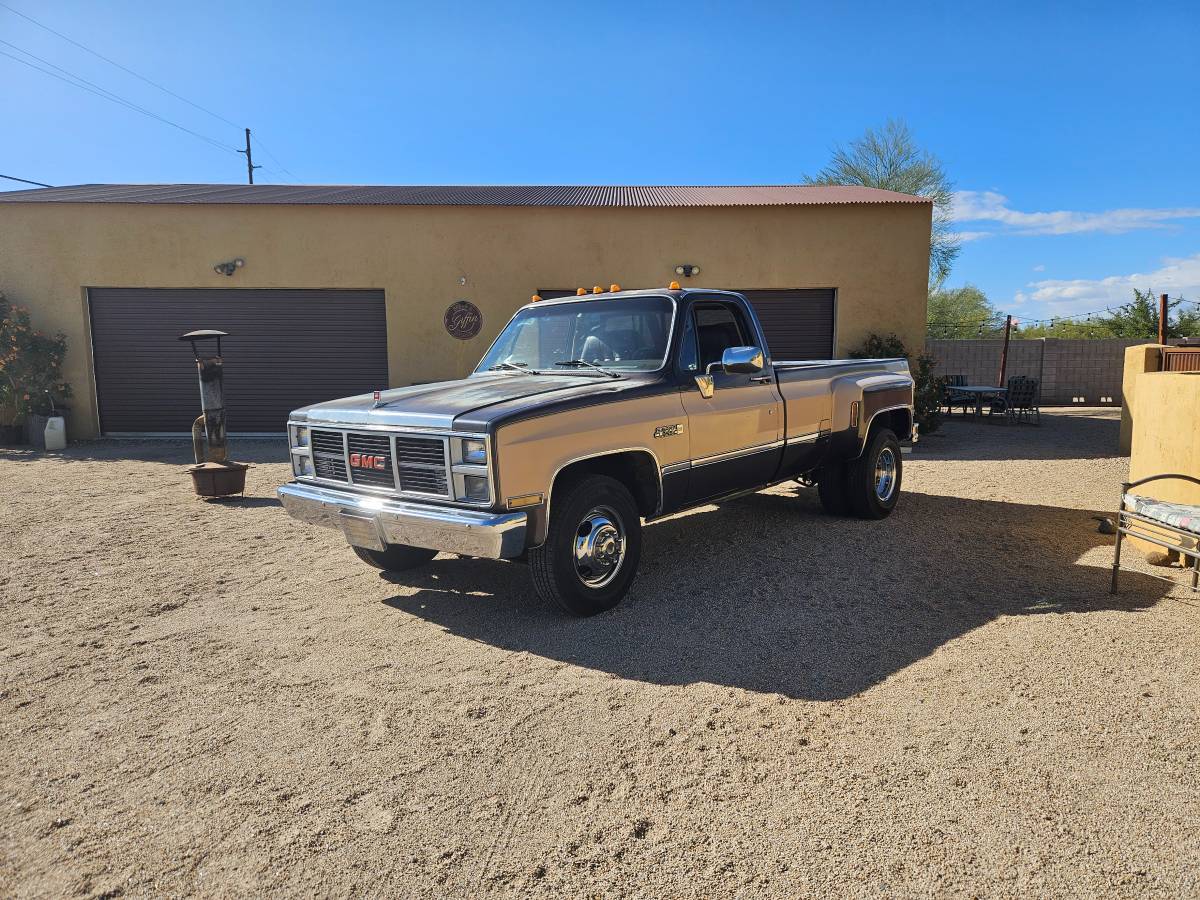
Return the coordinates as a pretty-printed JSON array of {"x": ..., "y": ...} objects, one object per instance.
[{"x": 437, "y": 405}]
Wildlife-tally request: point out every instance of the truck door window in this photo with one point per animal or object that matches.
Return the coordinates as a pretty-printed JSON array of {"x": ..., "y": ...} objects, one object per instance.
[{"x": 718, "y": 327}]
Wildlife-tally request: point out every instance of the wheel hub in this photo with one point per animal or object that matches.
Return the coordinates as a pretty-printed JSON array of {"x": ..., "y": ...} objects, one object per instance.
[
  {"x": 885, "y": 474},
  {"x": 599, "y": 547}
]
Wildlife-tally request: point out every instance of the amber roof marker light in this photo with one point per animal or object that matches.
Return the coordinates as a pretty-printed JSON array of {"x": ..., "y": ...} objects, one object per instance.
[
  {"x": 580, "y": 292},
  {"x": 613, "y": 288},
  {"x": 536, "y": 298},
  {"x": 673, "y": 286},
  {"x": 596, "y": 289}
]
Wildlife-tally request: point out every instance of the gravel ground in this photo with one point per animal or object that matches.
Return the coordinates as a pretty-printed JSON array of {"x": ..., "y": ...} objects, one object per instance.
[{"x": 209, "y": 698}]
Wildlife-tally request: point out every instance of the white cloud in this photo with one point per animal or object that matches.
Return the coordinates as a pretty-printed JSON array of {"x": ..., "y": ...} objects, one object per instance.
[
  {"x": 1179, "y": 277},
  {"x": 990, "y": 206},
  {"x": 964, "y": 236},
  {"x": 1040, "y": 267}
]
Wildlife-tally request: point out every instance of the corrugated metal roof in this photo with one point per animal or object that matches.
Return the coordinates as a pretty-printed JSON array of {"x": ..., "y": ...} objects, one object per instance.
[{"x": 464, "y": 195}]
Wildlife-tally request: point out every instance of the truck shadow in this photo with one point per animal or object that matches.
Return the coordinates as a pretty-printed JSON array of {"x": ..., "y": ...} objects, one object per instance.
[{"x": 768, "y": 594}]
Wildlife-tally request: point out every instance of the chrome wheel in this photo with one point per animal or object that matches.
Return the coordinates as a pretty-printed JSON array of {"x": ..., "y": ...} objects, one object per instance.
[
  {"x": 885, "y": 474},
  {"x": 599, "y": 547}
]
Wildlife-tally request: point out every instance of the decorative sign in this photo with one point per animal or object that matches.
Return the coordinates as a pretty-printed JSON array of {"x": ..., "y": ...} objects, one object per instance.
[{"x": 463, "y": 320}]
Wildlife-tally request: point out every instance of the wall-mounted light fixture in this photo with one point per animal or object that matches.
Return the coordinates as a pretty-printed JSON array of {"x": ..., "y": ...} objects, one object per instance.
[
  {"x": 687, "y": 270},
  {"x": 228, "y": 268}
]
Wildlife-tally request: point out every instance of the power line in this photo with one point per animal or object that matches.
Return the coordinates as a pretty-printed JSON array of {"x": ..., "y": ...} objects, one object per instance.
[
  {"x": 273, "y": 157},
  {"x": 140, "y": 77},
  {"x": 26, "y": 181},
  {"x": 112, "y": 62},
  {"x": 91, "y": 88}
]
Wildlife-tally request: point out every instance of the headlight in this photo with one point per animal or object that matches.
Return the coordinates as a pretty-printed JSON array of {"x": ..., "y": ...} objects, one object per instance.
[
  {"x": 474, "y": 452},
  {"x": 299, "y": 434},
  {"x": 475, "y": 487},
  {"x": 302, "y": 465}
]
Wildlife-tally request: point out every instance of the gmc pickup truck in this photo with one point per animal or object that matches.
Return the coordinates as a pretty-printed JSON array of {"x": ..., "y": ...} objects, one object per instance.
[{"x": 586, "y": 416}]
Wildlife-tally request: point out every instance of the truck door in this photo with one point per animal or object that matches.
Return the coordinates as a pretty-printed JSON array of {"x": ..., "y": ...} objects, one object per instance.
[{"x": 737, "y": 434}]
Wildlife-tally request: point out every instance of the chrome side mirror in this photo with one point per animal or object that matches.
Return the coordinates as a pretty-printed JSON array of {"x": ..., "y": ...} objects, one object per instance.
[{"x": 742, "y": 360}]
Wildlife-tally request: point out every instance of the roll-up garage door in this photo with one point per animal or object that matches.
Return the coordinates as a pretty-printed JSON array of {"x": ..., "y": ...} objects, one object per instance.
[
  {"x": 798, "y": 323},
  {"x": 287, "y": 349}
]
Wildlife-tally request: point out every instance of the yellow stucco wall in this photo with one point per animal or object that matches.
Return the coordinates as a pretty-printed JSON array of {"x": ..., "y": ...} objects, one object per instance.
[
  {"x": 50, "y": 253},
  {"x": 1166, "y": 434},
  {"x": 1138, "y": 359}
]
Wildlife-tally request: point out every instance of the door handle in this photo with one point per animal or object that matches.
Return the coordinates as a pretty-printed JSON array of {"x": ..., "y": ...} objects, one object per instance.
[{"x": 760, "y": 379}]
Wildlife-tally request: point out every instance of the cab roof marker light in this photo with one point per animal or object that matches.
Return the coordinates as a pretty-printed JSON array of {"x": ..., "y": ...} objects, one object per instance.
[
  {"x": 597, "y": 289},
  {"x": 580, "y": 292},
  {"x": 673, "y": 286},
  {"x": 536, "y": 298},
  {"x": 613, "y": 288}
]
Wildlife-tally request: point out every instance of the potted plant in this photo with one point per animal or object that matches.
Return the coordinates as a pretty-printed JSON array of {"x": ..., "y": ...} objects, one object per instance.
[{"x": 31, "y": 382}]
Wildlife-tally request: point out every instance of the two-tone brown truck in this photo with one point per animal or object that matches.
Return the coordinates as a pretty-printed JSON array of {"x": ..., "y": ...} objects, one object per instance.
[{"x": 587, "y": 416}]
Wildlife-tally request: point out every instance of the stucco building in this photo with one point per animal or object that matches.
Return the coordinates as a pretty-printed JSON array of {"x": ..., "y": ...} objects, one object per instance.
[{"x": 329, "y": 291}]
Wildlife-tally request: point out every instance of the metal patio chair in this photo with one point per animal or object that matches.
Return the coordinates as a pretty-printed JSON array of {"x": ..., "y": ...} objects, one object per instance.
[
  {"x": 1020, "y": 402},
  {"x": 1172, "y": 526},
  {"x": 952, "y": 398}
]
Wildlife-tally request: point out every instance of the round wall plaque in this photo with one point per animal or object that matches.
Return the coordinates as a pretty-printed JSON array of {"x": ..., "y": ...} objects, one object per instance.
[{"x": 463, "y": 320}]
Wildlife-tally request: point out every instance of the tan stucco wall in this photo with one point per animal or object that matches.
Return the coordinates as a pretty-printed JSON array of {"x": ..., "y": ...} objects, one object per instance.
[
  {"x": 875, "y": 255},
  {"x": 1138, "y": 359},
  {"x": 1166, "y": 436}
]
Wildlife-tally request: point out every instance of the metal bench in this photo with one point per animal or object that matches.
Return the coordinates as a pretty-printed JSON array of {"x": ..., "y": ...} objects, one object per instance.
[{"x": 1172, "y": 526}]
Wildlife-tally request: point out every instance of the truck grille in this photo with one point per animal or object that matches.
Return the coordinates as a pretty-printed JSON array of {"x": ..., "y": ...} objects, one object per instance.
[
  {"x": 329, "y": 455},
  {"x": 422, "y": 465},
  {"x": 420, "y": 461},
  {"x": 377, "y": 447}
]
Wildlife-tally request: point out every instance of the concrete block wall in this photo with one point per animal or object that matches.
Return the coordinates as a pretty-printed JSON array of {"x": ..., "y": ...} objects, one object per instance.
[{"x": 1073, "y": 372}]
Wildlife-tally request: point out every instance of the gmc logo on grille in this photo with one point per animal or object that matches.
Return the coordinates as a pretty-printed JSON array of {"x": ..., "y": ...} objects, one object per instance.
[{"x": 366, "y": 461}]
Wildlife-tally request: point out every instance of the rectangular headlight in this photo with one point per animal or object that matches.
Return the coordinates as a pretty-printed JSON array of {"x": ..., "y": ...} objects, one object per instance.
[
  {"x": 475, "y": 487},
  {"x": 299, "y": 435},
  {"x": 302, "y": 466},
  {"x": 474, "y": 452}
]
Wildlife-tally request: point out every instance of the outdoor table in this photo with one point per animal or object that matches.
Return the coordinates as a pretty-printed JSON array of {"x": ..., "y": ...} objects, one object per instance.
[{"x": 980, "y": 392}]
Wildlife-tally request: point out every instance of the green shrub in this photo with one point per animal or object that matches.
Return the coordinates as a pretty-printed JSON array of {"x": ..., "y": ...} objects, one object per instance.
[
  {"x": 30, "y": 367},
  {"x": 928, "y": 388}
]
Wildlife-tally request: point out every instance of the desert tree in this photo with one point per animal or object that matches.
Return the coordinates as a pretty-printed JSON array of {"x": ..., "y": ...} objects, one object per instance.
[{"x": 889, "y": 158}]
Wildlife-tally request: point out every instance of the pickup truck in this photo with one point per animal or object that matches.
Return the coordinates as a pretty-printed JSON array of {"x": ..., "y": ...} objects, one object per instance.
[{"x": 586, "y": 416}]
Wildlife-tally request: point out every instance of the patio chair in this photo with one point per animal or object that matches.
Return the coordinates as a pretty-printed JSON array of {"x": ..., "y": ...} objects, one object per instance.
[
  {"x": 1172, "y": 526},
  {"x": 1020, "y": 402},
  {"x": 952, "y": 398}
]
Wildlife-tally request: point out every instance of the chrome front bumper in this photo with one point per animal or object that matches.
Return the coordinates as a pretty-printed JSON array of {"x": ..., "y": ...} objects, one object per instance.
[{"x": 374, "y": 522}]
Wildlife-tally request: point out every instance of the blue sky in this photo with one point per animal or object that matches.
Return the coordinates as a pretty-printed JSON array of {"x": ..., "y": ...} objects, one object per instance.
[{"x": 1072, "y": 131}]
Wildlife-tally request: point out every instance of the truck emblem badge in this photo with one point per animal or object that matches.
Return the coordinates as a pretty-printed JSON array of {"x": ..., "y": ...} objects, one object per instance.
[
  {"x": 663, "y": 431},
  {"x": 367, "y": 461}
]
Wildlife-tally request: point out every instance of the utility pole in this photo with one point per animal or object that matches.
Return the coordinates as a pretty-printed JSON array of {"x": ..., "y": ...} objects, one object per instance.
[
  {"x": 250, "y": 166},
  {"x": 1162, "y": 319},
  {"x": 1004, "y": 350}
]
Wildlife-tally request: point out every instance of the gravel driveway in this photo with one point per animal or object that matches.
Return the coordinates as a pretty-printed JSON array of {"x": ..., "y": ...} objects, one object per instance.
[{"x": 210, "y": 698}]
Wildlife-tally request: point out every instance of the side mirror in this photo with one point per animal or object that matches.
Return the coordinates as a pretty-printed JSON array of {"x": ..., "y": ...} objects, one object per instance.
[{"x": 742, "y": 360}]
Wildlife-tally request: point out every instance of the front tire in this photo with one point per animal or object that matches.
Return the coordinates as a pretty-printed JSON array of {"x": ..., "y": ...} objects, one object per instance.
[
  {"x": 592, "y": 548},
  {"x": 395, "y": 557},
  {"x": 873, "y": 480}
]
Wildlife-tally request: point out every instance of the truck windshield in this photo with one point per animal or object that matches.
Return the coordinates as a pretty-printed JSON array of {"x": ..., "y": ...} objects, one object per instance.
[{"x": 615, "y": 334}]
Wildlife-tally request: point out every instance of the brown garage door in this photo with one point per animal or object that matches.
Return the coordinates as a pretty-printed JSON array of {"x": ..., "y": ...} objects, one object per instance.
[
  {"x": 287, "y": 349},
  {"x": 798, "y": 323}
]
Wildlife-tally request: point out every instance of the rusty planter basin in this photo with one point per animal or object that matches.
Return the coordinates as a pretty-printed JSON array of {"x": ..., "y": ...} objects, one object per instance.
[{"x": 212, "y": 479}]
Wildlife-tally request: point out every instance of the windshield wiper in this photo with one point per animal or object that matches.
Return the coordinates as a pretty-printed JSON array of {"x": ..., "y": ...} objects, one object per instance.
[
  {"x": 576, "y": 363},
  {"x": 523, "y": 368}
]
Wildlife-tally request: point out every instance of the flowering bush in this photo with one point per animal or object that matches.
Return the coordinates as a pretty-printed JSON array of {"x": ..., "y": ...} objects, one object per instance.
[{"x": 30, "y": 367}]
